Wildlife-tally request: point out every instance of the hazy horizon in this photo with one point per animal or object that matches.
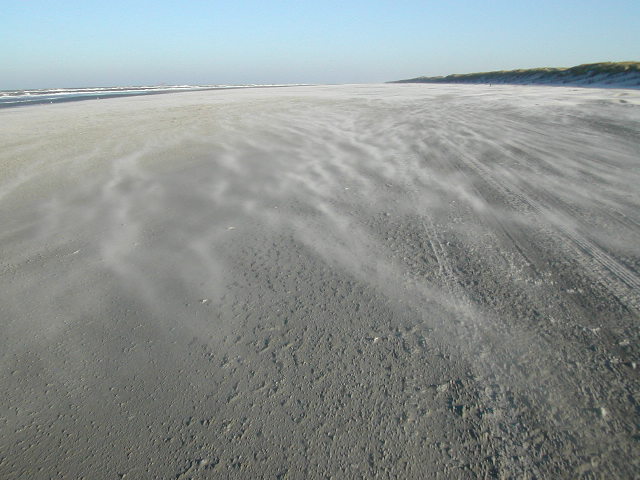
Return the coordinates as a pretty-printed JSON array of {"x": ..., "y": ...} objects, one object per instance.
[{"x": 120, "y": 44}]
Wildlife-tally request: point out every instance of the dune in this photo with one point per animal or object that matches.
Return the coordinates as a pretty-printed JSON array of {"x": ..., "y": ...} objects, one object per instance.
[{"x": 600, "y": 75}]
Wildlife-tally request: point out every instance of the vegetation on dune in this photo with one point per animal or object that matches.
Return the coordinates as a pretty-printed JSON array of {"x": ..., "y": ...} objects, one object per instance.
[{"x": 607, "y": 73}]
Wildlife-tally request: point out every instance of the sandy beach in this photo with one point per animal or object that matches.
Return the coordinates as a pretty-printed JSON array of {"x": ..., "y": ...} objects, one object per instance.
[{"x": 360, "y": 281}]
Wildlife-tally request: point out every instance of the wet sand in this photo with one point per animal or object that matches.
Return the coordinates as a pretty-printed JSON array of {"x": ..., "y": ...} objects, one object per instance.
[{"x": 374, "y": 281}]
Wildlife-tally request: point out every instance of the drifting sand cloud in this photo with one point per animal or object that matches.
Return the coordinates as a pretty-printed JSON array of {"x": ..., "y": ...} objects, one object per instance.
[{"x": 430, "y": 260}]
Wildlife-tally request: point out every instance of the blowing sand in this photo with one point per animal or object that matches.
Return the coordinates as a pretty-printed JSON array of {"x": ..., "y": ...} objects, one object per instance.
[{"x": 397, "y": 281}]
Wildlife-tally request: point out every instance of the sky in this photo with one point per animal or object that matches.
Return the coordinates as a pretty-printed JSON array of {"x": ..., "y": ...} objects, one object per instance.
[{"x": 47, "y": 44}]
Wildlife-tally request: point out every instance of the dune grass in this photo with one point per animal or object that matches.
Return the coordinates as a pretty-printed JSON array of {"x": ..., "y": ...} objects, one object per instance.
[{"x": 627, "y": 73}]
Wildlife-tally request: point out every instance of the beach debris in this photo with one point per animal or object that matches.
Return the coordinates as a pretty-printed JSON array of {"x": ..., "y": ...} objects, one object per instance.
[
  {"x": 443, "y": 387},
  {"x": 231, "y": 228}
]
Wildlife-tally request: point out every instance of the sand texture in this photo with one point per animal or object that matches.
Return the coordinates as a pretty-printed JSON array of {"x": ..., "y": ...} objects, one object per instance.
[{"x": 377, "y": 281}]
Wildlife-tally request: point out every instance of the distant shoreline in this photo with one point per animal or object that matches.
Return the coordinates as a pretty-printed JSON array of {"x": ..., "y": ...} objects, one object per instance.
[
  {"x": 50, "y": 96},
  {"x": 595, "y": 75}
]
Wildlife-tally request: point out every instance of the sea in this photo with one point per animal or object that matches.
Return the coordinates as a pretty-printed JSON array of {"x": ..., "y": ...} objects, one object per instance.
[{"x": 16, "y": 98}]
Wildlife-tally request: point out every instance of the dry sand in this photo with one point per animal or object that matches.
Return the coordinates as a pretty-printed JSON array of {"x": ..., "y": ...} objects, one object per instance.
[{"x": 397, "y": 281}]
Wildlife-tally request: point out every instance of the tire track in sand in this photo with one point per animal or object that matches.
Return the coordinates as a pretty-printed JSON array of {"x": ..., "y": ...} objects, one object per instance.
[
  {"x": 466, "y": 332},
  {"x": 606, "y": 270}
]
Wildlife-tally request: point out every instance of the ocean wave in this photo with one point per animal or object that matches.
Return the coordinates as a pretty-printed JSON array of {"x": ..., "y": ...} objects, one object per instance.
[{"x": 9, "y": 98}]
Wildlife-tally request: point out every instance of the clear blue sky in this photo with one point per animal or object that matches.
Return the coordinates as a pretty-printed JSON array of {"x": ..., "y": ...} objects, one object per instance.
[{"x": 90, "y": 43}]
